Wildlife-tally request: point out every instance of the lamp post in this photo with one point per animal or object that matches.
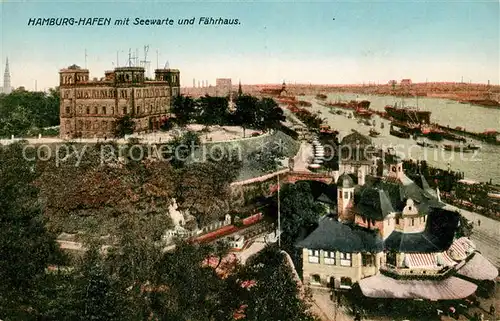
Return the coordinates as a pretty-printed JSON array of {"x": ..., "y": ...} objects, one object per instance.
[{"x": 279, "y": 214}]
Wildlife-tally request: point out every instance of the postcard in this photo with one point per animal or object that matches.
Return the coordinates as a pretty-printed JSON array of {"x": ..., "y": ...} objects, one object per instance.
[{"x": 249, "y": 160}]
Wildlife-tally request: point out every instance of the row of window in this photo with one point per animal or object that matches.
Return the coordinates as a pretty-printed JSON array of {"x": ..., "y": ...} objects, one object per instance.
[
  {"x": 98, "y": 125},
  {"x": 104, "y": 111},
  {"x": 69, "y": 79},
  {"x": 367, "y": 259},
  {"x": 412, "y": 222},
  {"x": 346, "y": 195},
  {"x": 122, "y": 93},
  {"x": 345, "y": 282},
  {"x": 329, "y": 257}
]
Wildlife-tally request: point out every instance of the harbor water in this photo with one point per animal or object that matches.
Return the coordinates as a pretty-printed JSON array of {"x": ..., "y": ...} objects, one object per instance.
[{"x": 480, "y": 165}]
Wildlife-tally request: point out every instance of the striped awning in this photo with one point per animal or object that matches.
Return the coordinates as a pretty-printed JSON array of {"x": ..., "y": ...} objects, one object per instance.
[
  {"x": 420, "y": 260},
  {"x": 445, "y": 260},
  {"x": 461, "y": 249}
]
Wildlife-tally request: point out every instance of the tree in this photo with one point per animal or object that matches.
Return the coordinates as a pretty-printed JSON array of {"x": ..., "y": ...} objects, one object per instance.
[
  {"x": 98, "y": 297},
  {"x": 269, "y": 114},
  {"x": 299, "y": 211},
  {"x": 213, "y": 110},
  {"x": 181, "y": 147},
  {"x": 245, "y": 114},
  {"x": 27, "y": 247},
  {"x": 184, "y": 108},
  {"x": 124, "y": 126},
  {"x": 203, "y": 188},
  {"x": 274, "y": 294},
  {"x": 24, "y": 112},
  {"x": 465, "y": 227},
  {"x": 268, "y": 159}
]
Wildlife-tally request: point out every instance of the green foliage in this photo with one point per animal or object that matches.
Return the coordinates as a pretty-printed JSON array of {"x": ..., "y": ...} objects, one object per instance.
[
  {"x": 124, "y": 126},
  {"x": 184, "y": 109},
  {"x": 269, "y": 115},
  {"x": 268, "y": 159},
  {"x": 275, "y": 295},
  {"x": 312, "y": 121},
  {"x": 299, "y": 211},
  {"x": 213, "y": 110},
  {"x": 82, "y": 193},
  {"x": 22, "y": 112},
  {"x": 181, "y": 147},
  {"x": 465, "y": 227},
  {"x": 26, "y": 246},
  {"x": 204, "y": 189},
  {"x": 259, "y": 114},
  {"x": 135, "y": 280},
  {"x": 246, "y": 107}
]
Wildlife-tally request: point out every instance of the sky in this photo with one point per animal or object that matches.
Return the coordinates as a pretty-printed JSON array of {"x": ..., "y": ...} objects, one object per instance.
[{"x": 335, "y": 42}]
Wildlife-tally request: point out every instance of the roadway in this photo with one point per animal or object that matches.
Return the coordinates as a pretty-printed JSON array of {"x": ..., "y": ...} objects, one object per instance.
[{"x": 486, "y": 235}]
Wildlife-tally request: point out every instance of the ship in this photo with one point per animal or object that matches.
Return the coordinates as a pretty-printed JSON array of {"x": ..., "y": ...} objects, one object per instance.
[
  {"x": 439, "y": 134},
  {"x": 472, "y": 146},
  {"x": 456, "y": 148},
  {"x": 373, "y": 133},
  {"x": 426, "y": 144},
  {"x": 398, "y": 133},
  {"x": 408, "y": 114}
]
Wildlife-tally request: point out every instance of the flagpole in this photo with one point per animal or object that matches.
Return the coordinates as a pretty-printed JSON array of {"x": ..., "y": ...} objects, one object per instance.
[{"x": 279, "y": 214}]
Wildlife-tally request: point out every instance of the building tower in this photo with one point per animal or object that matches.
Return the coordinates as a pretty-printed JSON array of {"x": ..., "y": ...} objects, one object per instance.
[
  {"x": 345, "y": 198},
  {"x": 6, "y": 79},
  {"x": 240, "y": 91}
]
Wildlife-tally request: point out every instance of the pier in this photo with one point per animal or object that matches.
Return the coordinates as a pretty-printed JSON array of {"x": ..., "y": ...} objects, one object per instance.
[{"x": 488, "y": 137}]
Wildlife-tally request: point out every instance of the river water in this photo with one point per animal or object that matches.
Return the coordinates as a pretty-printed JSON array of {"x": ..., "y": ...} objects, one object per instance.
[{"x": 481, "y": 165}]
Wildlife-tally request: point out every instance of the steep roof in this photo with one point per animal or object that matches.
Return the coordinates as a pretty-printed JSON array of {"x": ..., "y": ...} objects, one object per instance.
[
  {"x": 331, "y": 235},
  {"x": 437, "y": 236},
  {"x": 356, "y": 138},
  {"x": 374, "y": 203},
  {"x": 399, "y": 190},
  {"x": 392, "y": 159},
  {"x": 345, "y": 181},
  {"x": 322, "y": 192}
]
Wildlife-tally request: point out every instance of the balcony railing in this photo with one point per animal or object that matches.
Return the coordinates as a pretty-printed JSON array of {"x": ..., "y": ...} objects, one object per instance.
[{"x": 416, "y": 273}]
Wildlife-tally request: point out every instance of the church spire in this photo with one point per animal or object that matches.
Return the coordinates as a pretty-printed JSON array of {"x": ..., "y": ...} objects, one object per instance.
[
  {"x": 6, "y": 78},
  {"x": 240, "y": 91}
]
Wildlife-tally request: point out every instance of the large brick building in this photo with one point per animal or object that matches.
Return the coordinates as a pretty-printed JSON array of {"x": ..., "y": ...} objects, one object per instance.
[{"x": 90, "y": 108}]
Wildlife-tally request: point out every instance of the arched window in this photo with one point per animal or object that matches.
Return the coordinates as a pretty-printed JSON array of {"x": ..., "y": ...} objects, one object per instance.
[
  {"x": 315, "y": 278},
  {"x": 104, "y": 110},
  {"x": 345, "y": 282},
  {"x": 88, "y": 110}
]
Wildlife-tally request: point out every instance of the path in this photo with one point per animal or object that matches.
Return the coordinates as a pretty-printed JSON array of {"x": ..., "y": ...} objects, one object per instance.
[{"x": 486, "y": 236}]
